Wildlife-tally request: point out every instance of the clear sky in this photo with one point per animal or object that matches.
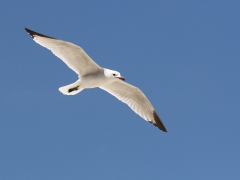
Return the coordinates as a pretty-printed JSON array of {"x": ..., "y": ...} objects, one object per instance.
[{"x": 184, "y": 55}]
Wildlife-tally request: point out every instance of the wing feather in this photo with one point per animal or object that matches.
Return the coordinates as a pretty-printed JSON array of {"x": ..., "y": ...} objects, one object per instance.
[
  {"x": 136, "y": 100},
  {"x": 71, "y": 54}
]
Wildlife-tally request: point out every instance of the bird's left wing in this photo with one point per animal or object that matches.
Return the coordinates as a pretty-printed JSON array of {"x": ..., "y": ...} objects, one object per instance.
[
  {"x": 71, "y": 54},
  {"x": 136, "y": 100}
]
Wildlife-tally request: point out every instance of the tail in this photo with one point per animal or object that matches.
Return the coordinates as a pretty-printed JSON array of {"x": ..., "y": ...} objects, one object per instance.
[{"x": 71, "y": 89}]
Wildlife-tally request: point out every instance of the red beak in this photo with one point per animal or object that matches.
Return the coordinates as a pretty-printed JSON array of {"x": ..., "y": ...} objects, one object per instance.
[{"x": 122, "y": 78}]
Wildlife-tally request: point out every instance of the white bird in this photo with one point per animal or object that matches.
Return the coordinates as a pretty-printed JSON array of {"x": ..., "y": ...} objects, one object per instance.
[{"x": 91, "y": 75}]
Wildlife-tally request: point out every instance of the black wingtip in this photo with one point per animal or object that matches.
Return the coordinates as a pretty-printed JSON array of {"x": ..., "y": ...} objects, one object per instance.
[
  {"x": 33, "y": 34},
  {"x": 158, "y": 122}
]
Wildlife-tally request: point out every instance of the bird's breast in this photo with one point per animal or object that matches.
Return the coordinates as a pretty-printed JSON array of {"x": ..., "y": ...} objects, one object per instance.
[{"x": 93, "y": 81}]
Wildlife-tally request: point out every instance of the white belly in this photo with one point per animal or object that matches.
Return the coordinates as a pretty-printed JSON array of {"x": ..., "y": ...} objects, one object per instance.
[{"x": 93, "y": 81}]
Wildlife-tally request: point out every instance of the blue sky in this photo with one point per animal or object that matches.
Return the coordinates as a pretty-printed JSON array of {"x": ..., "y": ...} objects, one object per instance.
[{"x": 184, "y": 55}]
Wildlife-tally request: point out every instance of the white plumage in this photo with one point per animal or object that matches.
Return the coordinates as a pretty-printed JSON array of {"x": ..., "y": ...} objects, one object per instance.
[{"x": 91, "y": 75}]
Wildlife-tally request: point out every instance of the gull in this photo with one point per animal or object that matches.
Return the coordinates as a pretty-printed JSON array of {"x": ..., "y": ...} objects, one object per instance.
[{"x": 91, "y": 75}]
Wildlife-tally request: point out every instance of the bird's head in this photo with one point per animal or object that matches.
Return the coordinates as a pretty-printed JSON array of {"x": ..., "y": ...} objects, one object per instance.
[{"x": 113, "y": 74}]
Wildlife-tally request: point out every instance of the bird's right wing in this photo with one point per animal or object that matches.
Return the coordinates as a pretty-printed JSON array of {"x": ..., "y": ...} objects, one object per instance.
[
  {"x": 71, "y": 54},
  {"x": 136, "y": 100}
]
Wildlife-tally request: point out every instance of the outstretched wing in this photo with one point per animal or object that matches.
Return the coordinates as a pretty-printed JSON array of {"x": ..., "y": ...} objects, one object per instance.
[
  {"x": 71, "y": 54},
  {"x": 136, "y": 100}
]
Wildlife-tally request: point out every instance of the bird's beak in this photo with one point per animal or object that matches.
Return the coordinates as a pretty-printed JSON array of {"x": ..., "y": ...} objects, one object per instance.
[{"x": 122, "y": 78}]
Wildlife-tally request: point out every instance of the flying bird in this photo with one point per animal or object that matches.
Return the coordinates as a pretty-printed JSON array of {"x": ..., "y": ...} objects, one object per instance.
[{"x": 91, "y": 75}]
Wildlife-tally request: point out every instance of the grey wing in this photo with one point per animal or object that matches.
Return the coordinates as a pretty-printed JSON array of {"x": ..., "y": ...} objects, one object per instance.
[
  {"x": 136, "y": 100},
  {"x": 71, "y": 54}
]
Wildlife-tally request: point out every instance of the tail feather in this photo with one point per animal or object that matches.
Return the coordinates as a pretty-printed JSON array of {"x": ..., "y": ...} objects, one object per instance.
[{"x": 71, "y": 89}]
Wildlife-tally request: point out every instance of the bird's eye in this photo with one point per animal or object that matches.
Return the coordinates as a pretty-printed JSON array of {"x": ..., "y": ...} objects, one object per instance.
[{"x": 114, "y": 74}]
